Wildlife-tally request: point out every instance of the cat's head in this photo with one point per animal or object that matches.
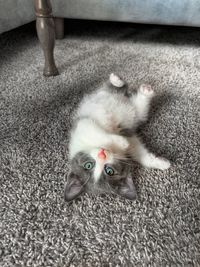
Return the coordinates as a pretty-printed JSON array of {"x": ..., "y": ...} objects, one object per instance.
[{"x": 99, "y": 171}]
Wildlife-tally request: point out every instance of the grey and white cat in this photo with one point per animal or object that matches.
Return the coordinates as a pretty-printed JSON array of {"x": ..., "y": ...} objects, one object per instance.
[{"x": 103, "y": 141}]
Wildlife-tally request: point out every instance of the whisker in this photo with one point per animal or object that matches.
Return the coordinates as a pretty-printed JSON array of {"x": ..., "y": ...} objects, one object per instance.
[
  {"x": 125, "y": 162},
  {"x": 123, "y": 157},
  {"x": 127, "y": 159},
  {"x": 120, "y": 157}
]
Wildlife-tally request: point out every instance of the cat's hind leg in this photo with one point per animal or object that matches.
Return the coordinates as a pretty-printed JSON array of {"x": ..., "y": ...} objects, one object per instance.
[
  {"x": 141, "y": 100},
  {"x": 116, "y": 80},
  {"x": 115, "y": 85}
]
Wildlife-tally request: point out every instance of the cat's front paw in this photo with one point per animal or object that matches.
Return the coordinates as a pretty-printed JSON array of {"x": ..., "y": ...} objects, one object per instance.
[
  {"x": 121, "y": 142},
  {"x": 146, "y": 90}
]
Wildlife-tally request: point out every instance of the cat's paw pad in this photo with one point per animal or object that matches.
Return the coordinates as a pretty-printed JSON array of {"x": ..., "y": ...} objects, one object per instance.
[
  {"x": 163, "y": 164},
  {"x": 146, "y": 89},
  {"x": 116, "y": 81}
]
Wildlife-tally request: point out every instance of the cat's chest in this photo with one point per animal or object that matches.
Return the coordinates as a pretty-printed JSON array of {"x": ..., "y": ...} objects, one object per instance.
[
  {"x": 108, "y": 110},
  {"x": 105, "y": 112},
  {"x": 109, "y": 122}
]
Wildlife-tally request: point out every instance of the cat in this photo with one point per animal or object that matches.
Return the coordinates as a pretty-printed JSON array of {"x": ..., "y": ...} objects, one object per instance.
[{"x": 103, "y": 141}]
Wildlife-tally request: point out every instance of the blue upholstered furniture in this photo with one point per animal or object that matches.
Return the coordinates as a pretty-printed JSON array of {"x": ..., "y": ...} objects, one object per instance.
[
  {"x": 171, "y": 12},
  {"x": 14, "y": 13}
]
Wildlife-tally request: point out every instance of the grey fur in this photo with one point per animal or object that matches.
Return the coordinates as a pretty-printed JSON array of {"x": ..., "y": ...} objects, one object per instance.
[{"x": 80, "y": 180}]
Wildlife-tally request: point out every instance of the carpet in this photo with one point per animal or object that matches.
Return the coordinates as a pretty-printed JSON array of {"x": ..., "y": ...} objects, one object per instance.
[{"x": 37, "y": 228}]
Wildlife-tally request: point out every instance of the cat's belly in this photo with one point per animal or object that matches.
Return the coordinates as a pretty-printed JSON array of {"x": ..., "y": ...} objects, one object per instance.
[{"x": 109, "y": 111}]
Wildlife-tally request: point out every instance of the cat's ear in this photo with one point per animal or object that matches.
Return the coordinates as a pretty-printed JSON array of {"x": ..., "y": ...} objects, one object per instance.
[
  {"x": 126, "y": 189},
  {"x": 73, "y": 187}
]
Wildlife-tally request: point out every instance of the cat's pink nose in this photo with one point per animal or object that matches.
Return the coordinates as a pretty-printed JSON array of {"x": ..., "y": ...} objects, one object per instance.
[{"x": 101, "y": 154}]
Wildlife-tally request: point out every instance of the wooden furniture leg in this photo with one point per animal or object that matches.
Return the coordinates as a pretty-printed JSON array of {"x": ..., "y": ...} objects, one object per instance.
[
  {"x": 59, "y": 27},
  {"x": 46, "y": 34}
]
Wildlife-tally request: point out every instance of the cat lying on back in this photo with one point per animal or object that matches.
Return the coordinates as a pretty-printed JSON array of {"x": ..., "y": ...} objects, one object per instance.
[{"x": 103, "y": 141}]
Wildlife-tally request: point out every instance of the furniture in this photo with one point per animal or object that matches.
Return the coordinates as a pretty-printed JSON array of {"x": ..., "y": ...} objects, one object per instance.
[
  {"x": 47, "y": 27},
  {"x": 14, "y": 13},
  {"x": 169, "y": 12}
]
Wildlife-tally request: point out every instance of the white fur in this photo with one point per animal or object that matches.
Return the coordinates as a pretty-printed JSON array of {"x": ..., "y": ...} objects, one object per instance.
[
  {"x": 100, "y": 115},
  {"x": 115, "y": 80},
  {"x": 146, "y": 158},
  {"x": 88, "y": 136},
  {"x": 100, "y": 162},
  {"x": 108, "y": 110}
]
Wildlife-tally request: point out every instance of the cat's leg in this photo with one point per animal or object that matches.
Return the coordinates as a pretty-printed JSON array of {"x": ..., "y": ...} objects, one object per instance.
[
  {"x": 120, "y": 141},
  {"x": 116, "y": 80},
  {"x": 142, "y": 101},
  {"x": 147, "y": 159},
  {"x": 115, "y": 84}
]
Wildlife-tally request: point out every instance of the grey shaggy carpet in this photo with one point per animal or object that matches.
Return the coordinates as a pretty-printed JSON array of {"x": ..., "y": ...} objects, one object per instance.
[{"x": 37, "y": 228}]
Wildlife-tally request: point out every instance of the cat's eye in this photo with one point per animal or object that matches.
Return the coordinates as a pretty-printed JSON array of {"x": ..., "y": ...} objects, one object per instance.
[
  {"x": 109, "y": 171},
  {"x": 88, "y": 165}
]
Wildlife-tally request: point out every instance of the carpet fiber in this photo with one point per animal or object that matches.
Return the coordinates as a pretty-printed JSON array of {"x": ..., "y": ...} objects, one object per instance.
[{"x": 37, "y": 228}]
